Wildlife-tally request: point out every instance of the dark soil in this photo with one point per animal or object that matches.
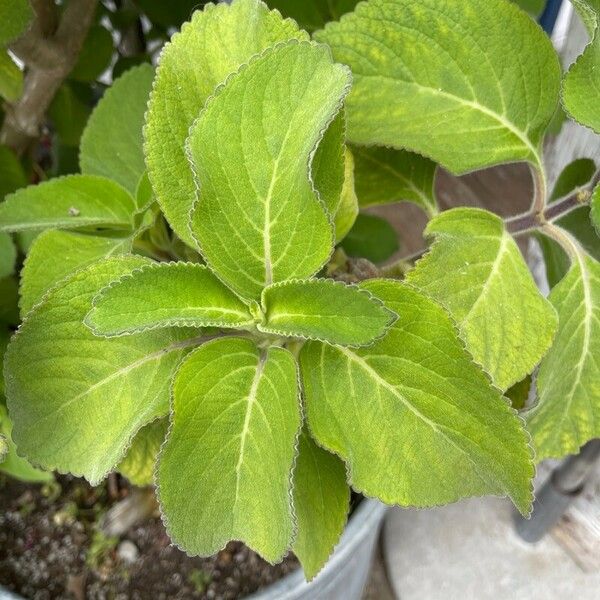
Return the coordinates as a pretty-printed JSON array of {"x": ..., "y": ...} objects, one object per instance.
[{"x": 50, "y": 547}]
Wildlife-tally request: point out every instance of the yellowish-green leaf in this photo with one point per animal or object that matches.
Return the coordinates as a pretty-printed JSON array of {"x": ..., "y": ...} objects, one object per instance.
[
  {"x": 475, "y": 269},
  {"x": 166, "y": 295},
  {"x": 470, "y": 83},
  {"x": 209, "y": 48},
  {"x": 258, "y": 220},
  {"x": 225, "y": 470},
  {"x": 321, "y": 309},
  {"x": 68, "y": 203},
  {"x": 416, "y": 421},
  {"x": 15, "y": 16},
  {"x": 321, "y": 503}
]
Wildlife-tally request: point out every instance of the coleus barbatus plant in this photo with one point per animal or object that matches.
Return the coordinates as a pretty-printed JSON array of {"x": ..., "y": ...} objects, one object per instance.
[{"x": 271, "y": 388}]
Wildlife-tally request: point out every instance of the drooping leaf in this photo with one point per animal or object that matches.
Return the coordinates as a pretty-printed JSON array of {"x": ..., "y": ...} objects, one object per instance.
[
  {"x": 581, "y": 84},
  {"x": 416, "y": 403},
  {"x": 258, "y": 220},
  {"x": 67, "y": 203},
  {"x": 138, "y": 464},
  {"x": 313, "y": 14},
  {"x": 11, "y": 78},
  {"x": 165, "y": 295},
  {"x": 56, "y": 254},
  {"x": 421, "y": 82},
  {"x": 326, "y": 310},
  {"x": 13, "y": 464},
  {"x": 69, "y": 112},
  {"x": 111, "y": 144},
  {"x": 371, "y": 237},
  {"x": 475, "y": 269},
  {"x": 12, "y": 175},
  {"x": 15, "y": 16},
  {"x": 95, "y": 55},
  {"x": 384, "y": 175},
  {"x": 321, "y": 503},
  {"x": 209, "y": 48},
  {"x": 8, "y": 255},
  {"x": 225, "y": 470},
  {"x": 89, "y": 395},
  {"x": 567, "y": 413}
]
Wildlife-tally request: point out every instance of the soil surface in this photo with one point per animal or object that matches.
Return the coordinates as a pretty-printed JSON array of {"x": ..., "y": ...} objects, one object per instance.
[{"x": 51, "y": 547}]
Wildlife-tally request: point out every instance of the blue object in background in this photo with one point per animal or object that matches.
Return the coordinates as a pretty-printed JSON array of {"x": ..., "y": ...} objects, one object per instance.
[{"x": 548, "y": 17}]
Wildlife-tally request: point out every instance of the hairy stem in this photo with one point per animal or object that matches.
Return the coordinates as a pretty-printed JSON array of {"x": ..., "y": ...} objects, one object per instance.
[{"x": 50, "y": 51}]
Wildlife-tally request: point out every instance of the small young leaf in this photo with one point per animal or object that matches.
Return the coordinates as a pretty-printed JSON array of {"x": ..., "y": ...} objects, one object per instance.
[
  {"x": 111, "y": 144},
  {"x": 15, "y": 16},
  {"x": 13, "y": 464},
  {"x": 8, "y": 255},
  {"x": 225, "y": 470},
  {"x": 581, "y": 84},
  {"x": 469, "y": 84},
  {"x": 475, "y": 269},
  {"x": 321, "y": 309},
  {"x": 321, "y": 503},
  {"x": 255, "y": 193},
  {"x": 384, "y": 175},
  {"x": 567, "y": 413},
  {"x": 89, "y": 395},
  {"x": 415, "y": 402},
  {"x": 42, "y": 270},
  {"x": 138, "y": 464},
  {"x": 11, "y": 78},
  {"x": 12, "y": 175},
  {"x": 209, "y": 48},
  {"x": 371, "y": 237},
  {"x": 165, "y": 295},
  {"x": 66, "y": 203}
]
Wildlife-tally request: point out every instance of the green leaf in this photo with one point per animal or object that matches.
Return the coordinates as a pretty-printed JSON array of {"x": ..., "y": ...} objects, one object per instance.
[
  {"x": 67, "y": 203},
  {"x": 42, "y": 271},
  {"x": 595, "y": 209},
  {"x": 371, "y": 237},
  {"x": 165, "y": 295},
  {"x": 518, "y": 394},
  {"x": 5, "y": 333},
  {"x": 313, "y": 14},
  {"x": 95, "y": 56},
  {"x": 138, "y": 464},
  {"x": 581, "y": 84},
  {"x": 12, "y": 175},
  {"x": 69, "y": 112},
  {"x": 111, "y": 144},
  {"x": 576, "y": 174},
  {"x": 417, "y": 423},
  {"x": 567, "y": 413},
  {"x": 533, "y": 7},
  {"x": 225, "y": 470},
  {"x": 89, "y": 395},
  {"x": 321, "y": 503},
  {"x": 169, "y": 14},
  {"x": 321, "y": 309},
  {"x": 9, "y": 301},
  {"x": 8, "y": 255},
  {"x": 475, "y": 269},
  {"x": 11, "y": 78},
  {"x": 144, "y": 195},
  {"x": 384, "y": 175},
  {"x": 470, "y": 85},
  {"x": 13, "y": 464},
  {"x": 255, "y": 193},
  {"x": 15, "y": 16},
  {"x": 214, "y": 44}
]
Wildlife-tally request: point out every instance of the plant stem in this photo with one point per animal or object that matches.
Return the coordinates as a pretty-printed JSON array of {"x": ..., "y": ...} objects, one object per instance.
[
  {"x": 49, "y": 56},
  {"x": 564, "y": 238},
  {"x": 539, "y": 188}
]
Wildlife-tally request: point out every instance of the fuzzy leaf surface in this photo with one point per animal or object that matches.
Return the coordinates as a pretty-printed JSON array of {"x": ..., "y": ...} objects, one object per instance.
[
  {"x": 67, "y": 203},
  {"x": 581, "y": 84},
  {"x": 258, "y": 220},
  {"x": 475, "y": 269},
  {"x": 164, "y": 295},
  {"x": 90, "y": 395},
  {"x": 111, "y": 144},
  {"x": 426, "y": 412},
  {"x": 321, "y": 504},
  {"x": 321, "y": 309},
  {"x": 384, "y": 175},
  {"x": 567, "y": 413},
  {"x": 213, "y": 45},
  {"x": 42, "y": 270},
  {"x": 225, "y": 470},
  {"x": 471, "y": 83}
]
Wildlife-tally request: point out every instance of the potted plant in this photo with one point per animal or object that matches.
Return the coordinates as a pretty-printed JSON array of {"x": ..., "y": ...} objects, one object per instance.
[{"x": 183, "y": 294}]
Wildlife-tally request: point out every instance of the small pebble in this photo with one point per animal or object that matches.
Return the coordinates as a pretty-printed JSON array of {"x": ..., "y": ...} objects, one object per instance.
[{"x": 127, "y": 551}]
